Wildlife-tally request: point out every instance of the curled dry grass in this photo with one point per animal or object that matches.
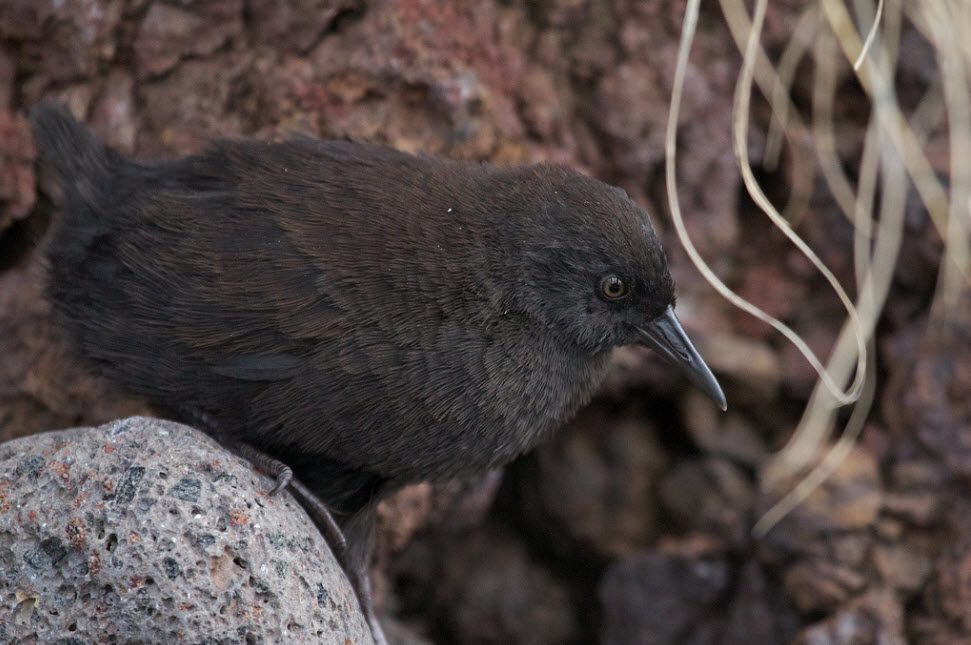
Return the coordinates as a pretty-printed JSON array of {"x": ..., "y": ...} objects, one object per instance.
[{"x": 893, "y": 159}]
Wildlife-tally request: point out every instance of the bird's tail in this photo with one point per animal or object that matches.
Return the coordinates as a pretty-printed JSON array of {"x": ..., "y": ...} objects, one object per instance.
[{"x": 68, "y": 148}]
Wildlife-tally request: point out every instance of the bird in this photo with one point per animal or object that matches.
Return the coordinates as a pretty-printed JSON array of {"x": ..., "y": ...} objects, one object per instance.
[{"x": 351, "y": 317}]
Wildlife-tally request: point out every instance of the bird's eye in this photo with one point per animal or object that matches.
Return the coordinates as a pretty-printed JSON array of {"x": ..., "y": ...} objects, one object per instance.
[{"x": 613, "y": 288}]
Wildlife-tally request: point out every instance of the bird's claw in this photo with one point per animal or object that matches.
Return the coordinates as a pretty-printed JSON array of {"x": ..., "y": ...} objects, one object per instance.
[{"x": 283, "y": 477}]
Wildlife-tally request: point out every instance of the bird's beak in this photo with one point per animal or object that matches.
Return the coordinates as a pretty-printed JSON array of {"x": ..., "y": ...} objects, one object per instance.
[{"x": 667, "y": 337}]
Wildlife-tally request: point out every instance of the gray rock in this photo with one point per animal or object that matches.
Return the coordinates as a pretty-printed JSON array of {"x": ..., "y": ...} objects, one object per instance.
[{"x": 143, "y": 530}]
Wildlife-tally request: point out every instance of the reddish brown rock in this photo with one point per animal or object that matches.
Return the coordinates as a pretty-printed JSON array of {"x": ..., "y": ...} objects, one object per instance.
[
  {"x": 845, "y": 506},
  {"x": 204, "y": 88},
  {"x": 432, "y": 77},
  {"x": 943, "y": 614},
  {"x": 17, "y": 194},
  {"x": 591, "y": 490},
  {"x": 876, "y": 617},
  {"x": 296, "y": 25},
  {"x": 904, "y": 565},
  {"x": 661, "y": 596},
  {"x": 749, "y": 362},
  {"x": 639, "y": 141},
  {"x": 447, "y": 507},
  {"x": 406, "y": 512},
  {"x": 725, "y": 435},
  {"x": 485, "y": 587},
  {"x": 60, "y": 41},
  {"x": 7, "y": 73},
  {"x": 816, "y": 585},
  {"x": 463, "y": 503},
  {"x": 709, "y": 495},
  {"x": 113, "y": 115},
  {"x": 936, "y": 401},
  {"x": 920, "y": 508},
  {"x": 776, "y": 292},
  {"x": 822, "y": 548},
  {"x": 759, "y": 611},
  {"x": 401, "y": 633},
  {"x": 798, "y": 374},
  {"x": 630, "y": 101},
  {"x": 41, "y": 386},
  {"x": 451, "y": 506},
  {"x": 169, "y": 32}
]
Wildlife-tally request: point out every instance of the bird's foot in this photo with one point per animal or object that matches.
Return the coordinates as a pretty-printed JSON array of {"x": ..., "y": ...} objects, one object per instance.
[
  {"x": 358, "y": 576},
  {"x": 273, "y": 467}
]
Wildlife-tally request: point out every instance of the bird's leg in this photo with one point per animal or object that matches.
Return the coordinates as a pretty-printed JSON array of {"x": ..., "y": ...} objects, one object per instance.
[
  {"x": 322, "y": 518},
  {"x": 360, "y": 532},
  {"x": 273, "y": 467}
]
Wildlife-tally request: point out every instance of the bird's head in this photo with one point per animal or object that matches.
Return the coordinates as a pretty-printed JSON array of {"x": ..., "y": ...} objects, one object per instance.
[{"x": 592, "y": 270}]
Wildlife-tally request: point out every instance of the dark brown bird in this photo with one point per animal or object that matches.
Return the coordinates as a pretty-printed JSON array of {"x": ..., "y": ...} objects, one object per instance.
[{"x": 366, "y": 317}]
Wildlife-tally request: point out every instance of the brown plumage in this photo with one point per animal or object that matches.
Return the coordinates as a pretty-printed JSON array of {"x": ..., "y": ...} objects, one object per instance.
[{"x": 368, "y": 317}]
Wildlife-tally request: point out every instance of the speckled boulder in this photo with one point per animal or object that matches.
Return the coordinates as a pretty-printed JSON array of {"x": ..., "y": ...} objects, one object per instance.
[{"x": 143, "y": 530}]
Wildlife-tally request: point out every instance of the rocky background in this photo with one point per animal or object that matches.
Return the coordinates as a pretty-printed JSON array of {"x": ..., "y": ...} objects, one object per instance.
[{"x": 633, "y": 526}]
